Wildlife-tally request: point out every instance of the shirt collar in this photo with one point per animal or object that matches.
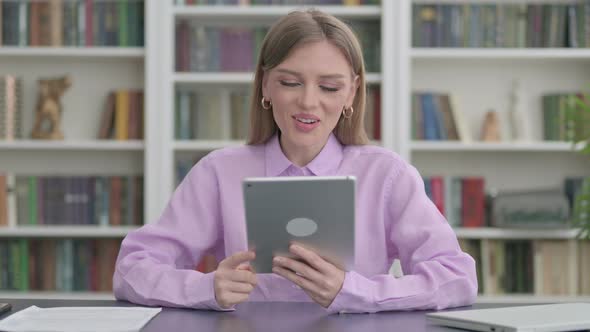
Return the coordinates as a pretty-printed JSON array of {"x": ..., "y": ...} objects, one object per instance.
[{"x": 327, "y": 160}]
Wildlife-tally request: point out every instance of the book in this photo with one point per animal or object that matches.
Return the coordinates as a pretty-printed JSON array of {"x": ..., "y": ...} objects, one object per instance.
[
  {"x": 107, "y": 118},
  {"x": 3, "y": 200}
]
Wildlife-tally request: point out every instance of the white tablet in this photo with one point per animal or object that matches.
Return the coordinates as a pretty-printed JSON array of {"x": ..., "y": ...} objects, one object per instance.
[
  {"x": 545, "y": 318},
  {"x": 316, "y": 211}
]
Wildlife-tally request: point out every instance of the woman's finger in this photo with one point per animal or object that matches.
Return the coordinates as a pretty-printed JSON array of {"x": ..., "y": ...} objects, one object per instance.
[
  {"x": 242, "y": 276},
  {"x": 239, "y": 287},
  {"x": 310, "y": 257},
  {"x": 300, "y": 281},
  {"x": 299, "y": 268}
]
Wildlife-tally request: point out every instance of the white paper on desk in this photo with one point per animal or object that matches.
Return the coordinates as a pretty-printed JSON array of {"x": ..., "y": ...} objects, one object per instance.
[{"x": 80, "y": 319}]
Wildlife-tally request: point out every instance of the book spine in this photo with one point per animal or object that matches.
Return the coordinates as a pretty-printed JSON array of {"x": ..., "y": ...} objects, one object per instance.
[
  {"x": 89, "y": 22},
  {"x": 10, "y": 106}
]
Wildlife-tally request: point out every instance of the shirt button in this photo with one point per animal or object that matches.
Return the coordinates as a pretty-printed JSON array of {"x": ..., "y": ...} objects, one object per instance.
[{"x": 295, "y": 286}]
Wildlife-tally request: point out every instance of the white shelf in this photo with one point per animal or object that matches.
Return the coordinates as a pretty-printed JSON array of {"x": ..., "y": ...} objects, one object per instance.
[
  {"x": 235, "y": 78},
  {"x": 68, "y": 231},
  {"x": 501, "y": 146},
  {"x": 204, "y": 145},
  {"x": 65, "y": 145},
  {"x": 271, "y": 12},
  {"x": 89, "y": 52},
  {"x": 507, "y": 233},
  {"x": 501, "y": 54},
  {"x": 530, "y": 298},
  {"x": 57, "y": 295}
]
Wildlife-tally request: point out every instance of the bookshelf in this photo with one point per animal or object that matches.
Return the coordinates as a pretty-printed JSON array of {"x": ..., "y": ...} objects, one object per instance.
[
  {"x": 96, "y": 68},
  {"x": 505, "y": 165},
  {"x": 251, "y": 16},
  {"x": 480, "y": 79}
]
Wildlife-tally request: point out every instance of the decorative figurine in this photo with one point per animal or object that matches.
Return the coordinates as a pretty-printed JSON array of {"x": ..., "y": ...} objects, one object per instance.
[
  {"x": 49, "y": 109},
  {"x": 491, "y": 127}
]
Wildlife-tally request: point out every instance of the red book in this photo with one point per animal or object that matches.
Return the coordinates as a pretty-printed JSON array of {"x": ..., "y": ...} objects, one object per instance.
[
  {"x": 473, "y": 200},
  {"x": 437, "y": 188}
]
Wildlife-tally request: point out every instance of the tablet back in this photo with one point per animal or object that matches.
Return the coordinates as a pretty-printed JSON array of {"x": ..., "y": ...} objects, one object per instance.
[{"x": 318, "y": 212}]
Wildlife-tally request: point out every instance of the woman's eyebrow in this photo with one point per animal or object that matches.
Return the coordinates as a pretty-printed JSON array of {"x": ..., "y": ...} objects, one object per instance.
[{"x": 287, "y": 71}]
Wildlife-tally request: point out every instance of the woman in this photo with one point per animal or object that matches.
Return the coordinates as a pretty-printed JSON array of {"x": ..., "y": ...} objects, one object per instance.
[{"x": 306, "y": 119}]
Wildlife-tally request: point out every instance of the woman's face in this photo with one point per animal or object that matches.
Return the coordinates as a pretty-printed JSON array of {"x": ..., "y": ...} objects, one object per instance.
[{"x": 308, "y": 91}]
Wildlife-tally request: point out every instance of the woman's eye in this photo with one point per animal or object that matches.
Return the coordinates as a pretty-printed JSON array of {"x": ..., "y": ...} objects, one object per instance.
[
  {"x": 329, "y": 89},
  {"x": 289, "y": 84}
]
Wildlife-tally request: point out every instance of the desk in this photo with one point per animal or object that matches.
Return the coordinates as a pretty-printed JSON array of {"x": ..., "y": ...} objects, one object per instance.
[{"x": 265, "y": 316}]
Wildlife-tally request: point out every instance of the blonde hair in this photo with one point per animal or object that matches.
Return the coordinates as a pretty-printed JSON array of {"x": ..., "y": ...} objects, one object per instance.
[{"x": 294, "y": 29}]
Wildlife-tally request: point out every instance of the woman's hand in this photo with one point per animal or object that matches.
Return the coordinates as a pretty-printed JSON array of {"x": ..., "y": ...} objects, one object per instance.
[
  {"x": 234, "y": 280},
  {"x": 320, "y": 279}
]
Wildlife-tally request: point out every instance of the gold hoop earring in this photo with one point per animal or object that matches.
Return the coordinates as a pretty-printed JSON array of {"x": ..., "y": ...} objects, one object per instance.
[
  {"x": 266, "y": 104},
  {"x": 347, "y": 115}
]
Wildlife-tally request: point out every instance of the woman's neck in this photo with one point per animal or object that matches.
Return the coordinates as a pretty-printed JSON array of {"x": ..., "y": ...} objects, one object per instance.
[{"x": 300, "y": 155}]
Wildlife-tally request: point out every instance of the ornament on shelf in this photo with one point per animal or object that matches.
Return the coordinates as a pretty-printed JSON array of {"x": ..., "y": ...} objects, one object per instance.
[
  {"x": 491, "y": 127},
  {"x": 49, "y": 109},
  {"x": 518, "y": 126}
]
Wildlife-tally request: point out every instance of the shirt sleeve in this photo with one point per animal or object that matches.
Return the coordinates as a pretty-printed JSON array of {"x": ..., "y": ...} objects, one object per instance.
[
  {"x": 156, "y": 263},
  {"x": 437, "y": 274}
]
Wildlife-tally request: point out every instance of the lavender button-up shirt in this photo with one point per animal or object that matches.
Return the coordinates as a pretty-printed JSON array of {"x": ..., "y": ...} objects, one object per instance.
[{"x": 394, "y": 220}]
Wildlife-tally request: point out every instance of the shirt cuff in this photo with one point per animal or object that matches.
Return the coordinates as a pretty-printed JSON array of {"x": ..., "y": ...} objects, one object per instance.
[
  {"x": 206, "y": 290},
  {"x": 354, "y": 297}
]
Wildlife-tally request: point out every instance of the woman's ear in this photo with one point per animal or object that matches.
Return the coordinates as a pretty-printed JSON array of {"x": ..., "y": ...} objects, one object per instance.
[
  {"x": 353, "y": 90},
  {"x": 265, "y": 92}
]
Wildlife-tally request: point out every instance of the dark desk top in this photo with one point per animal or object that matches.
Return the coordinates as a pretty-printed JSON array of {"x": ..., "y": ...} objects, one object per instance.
[{"x": 264, "y": 316}]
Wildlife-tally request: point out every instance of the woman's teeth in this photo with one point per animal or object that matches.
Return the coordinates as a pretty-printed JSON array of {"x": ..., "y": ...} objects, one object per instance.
[{"x": 306, "y": 120}]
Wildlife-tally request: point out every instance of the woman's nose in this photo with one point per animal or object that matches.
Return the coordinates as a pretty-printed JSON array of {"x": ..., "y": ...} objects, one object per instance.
[{"x": 309, "y": 97}]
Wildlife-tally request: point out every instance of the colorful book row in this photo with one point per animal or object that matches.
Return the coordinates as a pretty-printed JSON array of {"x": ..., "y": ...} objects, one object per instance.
[
  {"x": 564, "y": 119},
  {"x": 436, "y": 117},
  {"x": 58, "y": 264},
  {"x": 224, "y": 114},
  {"x": 460, "y": 200},
  {"x": 540, "y": 267},
  {"x": 72, "y": 23},
  {"x": 502, "y": 25},
  {"x": 123, "y": 116},
  {"x": 235, "y": 49},
  {"x": 61, "y": 200}
]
